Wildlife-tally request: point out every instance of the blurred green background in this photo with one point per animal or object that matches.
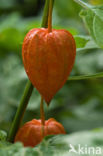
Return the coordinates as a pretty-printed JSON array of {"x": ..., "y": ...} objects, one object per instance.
[{"x": 79, "y": 104}]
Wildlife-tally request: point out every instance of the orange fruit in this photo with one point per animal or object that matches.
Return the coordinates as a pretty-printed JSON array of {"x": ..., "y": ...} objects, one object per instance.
[
  {"x": 48, "y": 59},
  {"x": 31, "y": 133}
]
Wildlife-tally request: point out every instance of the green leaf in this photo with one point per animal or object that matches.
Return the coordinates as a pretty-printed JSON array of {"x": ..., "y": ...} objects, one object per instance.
[
  {"x": 4, "y": 144},
  {"x": 83, "y": 4},
  {"x": 3, "y": 135},
  {"x": 60, "y": 145},
  {"x": 13, "y": 29},
  {"x": 81, "y": 41},
  {"x": 84, "y": 43},
  {"x": 16, "y": 149},
  {"x": 7, "y": 4},
  {"x": 93, "y": 18}
]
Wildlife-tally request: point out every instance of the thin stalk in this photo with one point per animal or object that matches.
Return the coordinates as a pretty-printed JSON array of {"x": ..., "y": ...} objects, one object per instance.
[
  {"x": 45, "y": 14},
  {"x": 42, "y": 112},
  {"x": 50, "y": 16},
  {"x": 28, "y": 89},
  {"x": 42, "y": 117}
]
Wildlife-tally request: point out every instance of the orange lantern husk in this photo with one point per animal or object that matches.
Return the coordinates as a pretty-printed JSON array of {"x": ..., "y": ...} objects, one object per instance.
[
  {"x": 31, "y": 133},
  {"x": 48, "y": 59}
]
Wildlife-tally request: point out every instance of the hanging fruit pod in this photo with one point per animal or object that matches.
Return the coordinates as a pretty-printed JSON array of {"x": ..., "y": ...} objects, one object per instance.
[
  {"x": 30, "y": 134},
  {"x": 48, "y": 59}
]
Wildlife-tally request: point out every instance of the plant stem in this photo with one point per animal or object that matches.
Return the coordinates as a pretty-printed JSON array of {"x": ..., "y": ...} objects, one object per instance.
[
  {"x": 45, "y": 15},
  {"x": 83, "y": 4},
  {"x": 50, "y": 16},
  {"x": 20, "y": 111},
  {"x": 42, "y": 112},
  {"x": 42, "y": 117},
  {"x": 28, "y": 89}
]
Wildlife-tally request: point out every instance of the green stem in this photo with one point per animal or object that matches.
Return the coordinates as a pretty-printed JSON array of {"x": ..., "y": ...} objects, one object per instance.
[
  {"x": 45, "y": 15},
  {"x": 46, "y": 12},
  {"x": 83, "y": 4},
  {"x": 50, "y": 16},
  {"x": 28, "y": 90},
  {"x": 20, "y": 111}
]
